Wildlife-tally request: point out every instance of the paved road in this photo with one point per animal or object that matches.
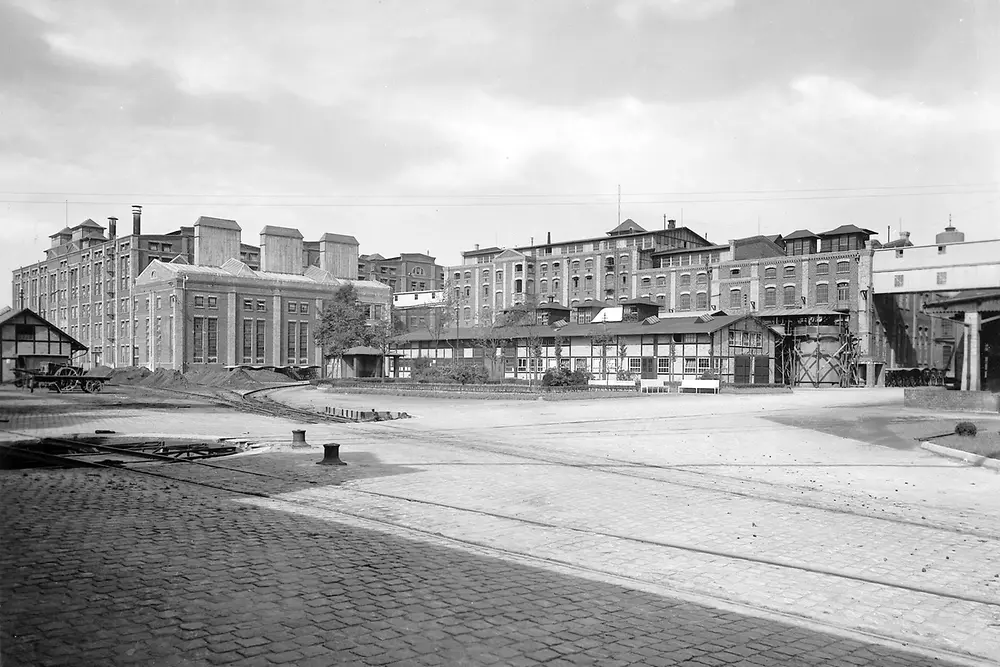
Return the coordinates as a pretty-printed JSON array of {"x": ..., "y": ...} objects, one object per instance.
[
  {"x": 111, "y": 568},
  {"x": 658, "y": 528}
]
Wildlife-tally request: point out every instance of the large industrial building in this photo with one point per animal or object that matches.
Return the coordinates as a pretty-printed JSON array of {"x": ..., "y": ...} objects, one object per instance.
[
  {"x": 813, "y": 290},
  {"x": 180, "y": 299}
]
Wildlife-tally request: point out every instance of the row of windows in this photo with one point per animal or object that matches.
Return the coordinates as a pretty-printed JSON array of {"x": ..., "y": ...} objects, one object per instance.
[
  {"x": 298, "y": 307},
  {"x": 200, "y": 301}
]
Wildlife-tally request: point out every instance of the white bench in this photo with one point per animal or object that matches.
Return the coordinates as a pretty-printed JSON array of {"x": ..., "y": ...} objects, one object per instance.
[{"x": 698, "y": 385}]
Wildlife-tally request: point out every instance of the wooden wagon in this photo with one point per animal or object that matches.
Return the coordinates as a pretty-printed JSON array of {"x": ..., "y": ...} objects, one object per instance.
[{"x": 60, "y": 379}]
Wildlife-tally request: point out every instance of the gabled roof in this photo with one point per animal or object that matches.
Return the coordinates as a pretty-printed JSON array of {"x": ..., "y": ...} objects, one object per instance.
[
  {"x": 801, "y": 234},
  {"x": 511, "y": 254},
  {"x": 640, "y": 301},
  {"x": 374, "y": 257},
  {"x": 629, "y": 226},
  {"x": 28, "y": 316},
  {"x": 847, "y": 229},
  {"x": 219, "y": 223},
  {"x": 89, "y": 223},
  {"x": 554, "y": 305},
  {"x": 339, "y": 238},
  {"x": 274, "y": 230},
  {"x": 65, "y": 231}
]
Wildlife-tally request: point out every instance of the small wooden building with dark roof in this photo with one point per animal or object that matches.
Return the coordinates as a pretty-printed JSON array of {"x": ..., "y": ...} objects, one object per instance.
[{"x": 29, "y": 342}]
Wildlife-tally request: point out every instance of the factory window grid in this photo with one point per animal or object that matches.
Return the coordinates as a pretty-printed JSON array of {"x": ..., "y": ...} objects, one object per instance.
[
  {"x": 843, "y": 267},
  {"x": 199, "y": 301},
  {"x": 303, "y": 308},
  {"x": 822, "y": 293}
]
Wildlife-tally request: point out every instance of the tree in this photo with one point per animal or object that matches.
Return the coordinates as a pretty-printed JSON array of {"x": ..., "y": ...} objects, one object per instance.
[
  {"x": 491, "y": 335},
  {"x": 343, "y": 323},
  {"x": 382, "y": 335},
  {"x": 441, "y": 316},
  {"x": 603, "y": 340}
]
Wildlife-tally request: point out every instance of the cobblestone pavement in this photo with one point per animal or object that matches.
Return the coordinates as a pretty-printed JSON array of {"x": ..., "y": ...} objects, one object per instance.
[
  {"x": 112, "y": 568},
  {"x": 734, "y": 506}
]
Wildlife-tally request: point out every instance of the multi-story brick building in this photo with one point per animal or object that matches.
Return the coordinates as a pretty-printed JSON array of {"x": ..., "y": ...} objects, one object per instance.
[
  {"x": 815, "y": 288},
  {"x": 408, "y": 272},
  {"x": 85, "y": 284},
  {"x": 89, "y": 285}
]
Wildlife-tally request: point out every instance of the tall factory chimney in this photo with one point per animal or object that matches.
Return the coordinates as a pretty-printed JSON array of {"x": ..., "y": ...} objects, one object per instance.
[
  {"x": 136, "y": 219},
  {"x": 112, "y": 228}
]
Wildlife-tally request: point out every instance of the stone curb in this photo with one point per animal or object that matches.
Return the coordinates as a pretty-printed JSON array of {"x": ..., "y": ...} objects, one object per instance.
[{"x": 971, "y": 459}]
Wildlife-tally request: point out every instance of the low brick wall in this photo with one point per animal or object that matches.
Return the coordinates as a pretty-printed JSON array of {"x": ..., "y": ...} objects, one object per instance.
[{"x": 940, "y": 399}]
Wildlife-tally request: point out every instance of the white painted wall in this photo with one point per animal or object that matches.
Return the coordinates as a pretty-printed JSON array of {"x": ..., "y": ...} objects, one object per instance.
[{"x": 968, "y": 265}]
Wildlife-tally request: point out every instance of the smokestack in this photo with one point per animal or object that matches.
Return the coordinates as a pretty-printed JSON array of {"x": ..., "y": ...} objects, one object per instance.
[
  {"x": 136, "y": 219},
  {"x": 671, "y": 224},
  {"x": 477, "y": 246},
  {"x": 548, "y": 238},
  {"x": 112, "y": 228}
]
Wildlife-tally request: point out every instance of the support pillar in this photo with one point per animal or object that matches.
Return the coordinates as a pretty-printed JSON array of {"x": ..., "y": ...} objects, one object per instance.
[{"x": 973, "y": 361}]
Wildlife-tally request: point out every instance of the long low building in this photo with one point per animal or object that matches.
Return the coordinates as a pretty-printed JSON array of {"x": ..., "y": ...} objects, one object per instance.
[{"x": 628, "y": 342}]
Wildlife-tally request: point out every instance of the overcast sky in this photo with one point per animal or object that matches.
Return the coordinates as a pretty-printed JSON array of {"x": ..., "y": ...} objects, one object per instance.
[{"x": 432, "y": 126}]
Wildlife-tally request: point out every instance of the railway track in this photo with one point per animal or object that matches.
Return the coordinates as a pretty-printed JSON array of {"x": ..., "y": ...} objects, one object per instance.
[{"x": 254, "y": 402}]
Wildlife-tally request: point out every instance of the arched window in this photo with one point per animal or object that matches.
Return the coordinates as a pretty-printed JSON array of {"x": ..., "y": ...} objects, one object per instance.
[
  {"x": 518, "y": 268},
  {"x": 468, "y": 291},
  {"x": 467, "y": 313},
  {"x": 468, "y": 275},
  {"x": 530, "y": 286},
  {"x": 661, "y": 298},
  {"x": 499, "y": 277},
  {"x": 735, "y": 298},
  {"x": 458, "y": 275},
  {"x": 518, "y": 285},
  {"x": 788, "y": 295},
  {"x": 734, "y": 273},
  {"x": 685, "y": 279},
  {"x": 823, "y": 268},
  {"x": 575, "y": 265},
  {"x": 576, "y": 282},
  {"x": 589, "y": 264},
  {"x": 843, "y": 291},
  {"x": 770, "y": 272},
  {"x": 770, "y": 296},
  {"x": 685, "y": 302},
  {"x": 843, "y": 267},
  {"x": 486, "y": 291},
  {"x": 555, "y": 285},
  {"x": 661, "y": 281},
  {"x": 543, "y": 285},
  {"x": 702, "y": 278},
  {"x": 544, "y": 268},
  {"x": 646, "y": 281},
  {"x": 822, "y": 293},
  {"x": 701, "y": 301},
  {"x": 555, "y": 266}
]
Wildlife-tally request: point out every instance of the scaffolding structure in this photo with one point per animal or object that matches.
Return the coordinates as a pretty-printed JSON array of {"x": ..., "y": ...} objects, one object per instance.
[{"x": 817, "y": 350}]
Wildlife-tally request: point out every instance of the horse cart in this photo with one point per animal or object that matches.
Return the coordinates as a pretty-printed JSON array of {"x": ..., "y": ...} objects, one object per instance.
[{"x": 60, "y": 379}]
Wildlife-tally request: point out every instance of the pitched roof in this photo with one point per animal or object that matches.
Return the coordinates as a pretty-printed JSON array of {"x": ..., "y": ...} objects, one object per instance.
[
  {"x": 554, "y": 305},
  {"x": 801, "y": 234},
  {"x": 28, "y": 314},
  {"x": 88, "y": 223},
  {"x": 640, "y": 301},
  {"x": 65, "y": 231},
  {"x": 339, "y": 238},
  {"x": 629, "y": 226},
  {"x": 274, "y": 230},
  {"x": 847, "y": 229},
  {"x": 219, "y": 223}
]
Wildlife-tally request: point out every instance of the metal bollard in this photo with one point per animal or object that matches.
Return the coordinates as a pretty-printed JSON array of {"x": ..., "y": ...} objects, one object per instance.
[
  {"x": 331, "y": 456},
  {"x": 299, "y": 439}
]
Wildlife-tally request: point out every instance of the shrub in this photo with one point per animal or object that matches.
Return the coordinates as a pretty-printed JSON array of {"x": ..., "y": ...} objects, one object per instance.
[
  {"x": 966, "y": 428},
  {"x": 563, "y": 377}
]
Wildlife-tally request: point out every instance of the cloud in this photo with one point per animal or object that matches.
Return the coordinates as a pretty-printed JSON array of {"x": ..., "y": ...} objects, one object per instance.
[{"x": 634, "y": 11}]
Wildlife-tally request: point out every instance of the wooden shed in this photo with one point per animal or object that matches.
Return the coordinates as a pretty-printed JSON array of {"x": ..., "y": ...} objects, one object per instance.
[{"x": 29, "y": 342}]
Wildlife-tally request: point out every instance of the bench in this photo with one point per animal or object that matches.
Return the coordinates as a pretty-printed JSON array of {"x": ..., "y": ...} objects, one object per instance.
[{"x": 699, "y": 386}]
